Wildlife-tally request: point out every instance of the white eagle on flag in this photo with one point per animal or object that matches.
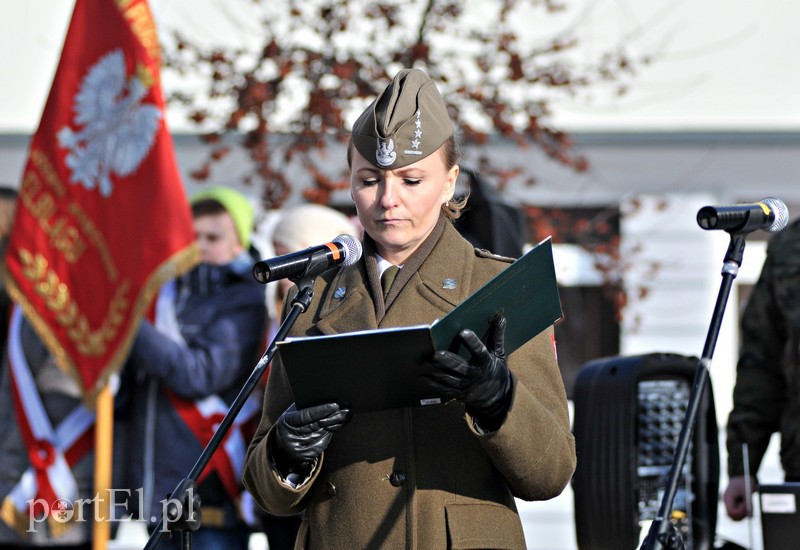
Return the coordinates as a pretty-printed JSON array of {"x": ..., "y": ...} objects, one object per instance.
[{"x": 117, "y": 129}]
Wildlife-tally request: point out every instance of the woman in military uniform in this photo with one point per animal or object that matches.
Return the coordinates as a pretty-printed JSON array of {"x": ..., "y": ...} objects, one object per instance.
[{"x": 442, "y": 476}]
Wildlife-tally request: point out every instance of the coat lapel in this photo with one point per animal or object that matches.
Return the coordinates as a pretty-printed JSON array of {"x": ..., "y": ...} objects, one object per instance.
[
  {"x": 438, "y": 286},
  {"x": 348, "y": 305}
]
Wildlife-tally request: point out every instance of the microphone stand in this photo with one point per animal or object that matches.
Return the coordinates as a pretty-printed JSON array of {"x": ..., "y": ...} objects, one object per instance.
[
  {"x": 662, "y": 533},
  {"x": 183, "y": 505}
]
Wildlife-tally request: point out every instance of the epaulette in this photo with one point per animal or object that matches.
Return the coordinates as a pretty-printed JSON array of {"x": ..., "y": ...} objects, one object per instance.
[{"x": 483, "y": 253}]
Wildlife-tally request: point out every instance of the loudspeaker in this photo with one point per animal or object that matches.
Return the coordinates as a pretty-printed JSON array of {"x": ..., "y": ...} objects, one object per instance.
[{"x": 628, "y": 414}]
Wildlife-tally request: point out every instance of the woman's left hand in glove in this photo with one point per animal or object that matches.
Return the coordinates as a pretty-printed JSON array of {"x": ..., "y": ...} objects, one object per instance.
[{"x": 483, "y": 383}]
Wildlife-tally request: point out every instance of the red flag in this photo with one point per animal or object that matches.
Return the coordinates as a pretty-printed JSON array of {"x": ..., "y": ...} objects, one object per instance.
[{"x": 102, "y": 218}]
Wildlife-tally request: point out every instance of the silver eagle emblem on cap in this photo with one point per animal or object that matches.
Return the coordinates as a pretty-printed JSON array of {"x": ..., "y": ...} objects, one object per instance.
[{"x": 385, "y": 154}]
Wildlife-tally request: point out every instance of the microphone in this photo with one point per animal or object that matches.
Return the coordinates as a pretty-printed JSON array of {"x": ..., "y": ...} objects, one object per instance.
[
  {"x": 769, "y": 214},
  {"x": 344, "y": 249}
]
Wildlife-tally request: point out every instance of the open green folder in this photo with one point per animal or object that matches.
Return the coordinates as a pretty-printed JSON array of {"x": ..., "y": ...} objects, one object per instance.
[{"x": 379, "y": 369}]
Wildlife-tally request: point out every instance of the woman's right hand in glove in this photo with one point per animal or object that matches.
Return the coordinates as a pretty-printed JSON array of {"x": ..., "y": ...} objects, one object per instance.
[{"x": 300, "y": 436}]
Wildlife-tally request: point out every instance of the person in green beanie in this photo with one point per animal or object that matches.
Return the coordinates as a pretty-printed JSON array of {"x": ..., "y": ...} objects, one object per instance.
[
  {"x": 223, "y": 221},
  {"x": 440, "y": 476},
  {"x": 186, "y": 368}
]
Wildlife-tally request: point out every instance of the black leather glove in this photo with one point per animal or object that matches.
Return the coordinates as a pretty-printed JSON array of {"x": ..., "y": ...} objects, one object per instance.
[
  {"x": 301, "y": 436},
  {"x": 483, "y": 383}
]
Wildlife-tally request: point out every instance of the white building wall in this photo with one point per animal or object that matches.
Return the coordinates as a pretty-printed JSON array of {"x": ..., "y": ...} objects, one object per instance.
[{"x": 677, "y": 265}]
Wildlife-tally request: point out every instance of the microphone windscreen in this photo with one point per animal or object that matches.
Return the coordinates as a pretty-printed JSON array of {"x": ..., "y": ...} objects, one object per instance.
[
  {"x": 352, "y": 247},
  {"x": 780, "y": 211}
]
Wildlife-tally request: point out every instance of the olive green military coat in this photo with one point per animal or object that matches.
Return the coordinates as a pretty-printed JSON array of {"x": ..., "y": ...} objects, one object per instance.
[{"x": 421, "y": 477}]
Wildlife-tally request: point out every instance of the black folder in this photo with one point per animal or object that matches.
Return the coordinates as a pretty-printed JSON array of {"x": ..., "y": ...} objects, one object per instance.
[
  {"x": 780, "y": 515},
  {"x": 379, "y": 369}
]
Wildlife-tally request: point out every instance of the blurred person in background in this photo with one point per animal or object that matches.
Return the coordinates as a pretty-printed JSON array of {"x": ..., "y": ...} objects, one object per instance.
[
  {"x": 766, "y": 396},
  {"x": 301, "y": 227},
  {"x": 185, "y": 370},
  {"x": 8, "y": 204},
  {"x": 37, "y": 397}
]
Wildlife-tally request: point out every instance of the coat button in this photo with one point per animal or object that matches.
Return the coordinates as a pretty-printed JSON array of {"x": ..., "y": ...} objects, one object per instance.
[
  {"x": 397, "y": 479},
  {"x": 331, "y": 489}
]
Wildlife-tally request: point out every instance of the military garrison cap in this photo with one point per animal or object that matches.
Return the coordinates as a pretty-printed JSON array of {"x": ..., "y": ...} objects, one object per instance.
[{"x": 407, "y": 122}]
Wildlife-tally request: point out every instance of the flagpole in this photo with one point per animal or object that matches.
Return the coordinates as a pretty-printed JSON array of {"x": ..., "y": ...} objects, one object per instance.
[{"x": 103, "y": 445}]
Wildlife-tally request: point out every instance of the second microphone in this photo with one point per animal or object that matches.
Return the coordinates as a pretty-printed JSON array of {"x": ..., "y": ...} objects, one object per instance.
[{"x": 344, "y": 249}]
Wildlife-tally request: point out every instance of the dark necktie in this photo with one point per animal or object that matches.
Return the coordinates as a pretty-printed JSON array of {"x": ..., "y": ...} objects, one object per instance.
[{"x": 387, "y": 278}]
